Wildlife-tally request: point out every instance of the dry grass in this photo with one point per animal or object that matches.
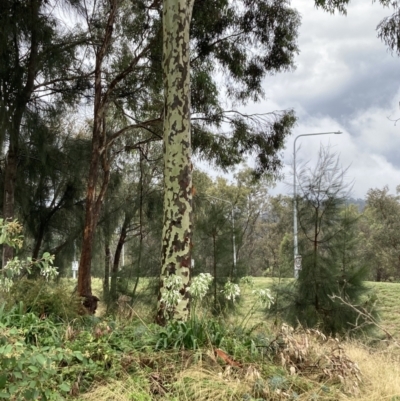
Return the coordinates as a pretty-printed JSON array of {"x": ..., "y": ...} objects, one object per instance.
[
  {"x": 203, "y": 379},
  {"x": 380, "y": 373},
  {"x": 380, "y": 367},
  {"x": 126, "y": 389}
]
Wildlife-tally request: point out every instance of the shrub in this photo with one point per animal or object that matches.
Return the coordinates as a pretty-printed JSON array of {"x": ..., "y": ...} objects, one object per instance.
[{"x": 47, "y": 300}]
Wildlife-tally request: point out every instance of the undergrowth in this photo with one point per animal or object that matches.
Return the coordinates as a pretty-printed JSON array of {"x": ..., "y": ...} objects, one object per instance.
[
  {"x": 203, "y": 359},
  {"x": 49, "y": 353}
]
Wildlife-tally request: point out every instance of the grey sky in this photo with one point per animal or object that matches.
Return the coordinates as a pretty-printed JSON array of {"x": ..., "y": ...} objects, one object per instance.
[{"x": 346, "y": 80}]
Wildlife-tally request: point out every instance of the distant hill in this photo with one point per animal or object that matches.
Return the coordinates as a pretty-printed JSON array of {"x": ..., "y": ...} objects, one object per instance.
[{"x": 360, "y": 203}]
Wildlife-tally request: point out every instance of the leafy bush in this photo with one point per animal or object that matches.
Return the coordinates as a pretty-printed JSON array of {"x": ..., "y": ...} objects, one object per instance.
[
  {"x": 10, "y": 234},
  {"x": 31, "y": 328},
  {"x": 30, "y": 353},
  {"x": 47, "y": 300}
]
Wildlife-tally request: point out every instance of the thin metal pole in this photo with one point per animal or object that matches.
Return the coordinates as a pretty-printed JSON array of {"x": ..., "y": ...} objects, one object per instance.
[{"x": 295, "y": 230}]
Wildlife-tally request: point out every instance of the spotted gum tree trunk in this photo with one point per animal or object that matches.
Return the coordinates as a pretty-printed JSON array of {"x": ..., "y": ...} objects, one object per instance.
[{"x": 177, "y": 228}]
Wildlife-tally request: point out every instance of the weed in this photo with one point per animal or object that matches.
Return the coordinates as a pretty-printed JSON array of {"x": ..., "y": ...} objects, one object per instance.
[{"x": 190, "y": 335}]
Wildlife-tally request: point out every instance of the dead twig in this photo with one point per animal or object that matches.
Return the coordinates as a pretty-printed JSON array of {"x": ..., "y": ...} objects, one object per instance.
[{"x": 362, "y": 312}]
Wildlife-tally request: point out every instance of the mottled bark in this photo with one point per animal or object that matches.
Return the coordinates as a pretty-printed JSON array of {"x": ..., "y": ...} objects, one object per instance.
[{"x": 177, "y": 227}]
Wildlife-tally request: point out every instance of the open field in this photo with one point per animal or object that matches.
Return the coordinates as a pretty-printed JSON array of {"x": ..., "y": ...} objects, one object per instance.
[{"x": 387, "y": 304}]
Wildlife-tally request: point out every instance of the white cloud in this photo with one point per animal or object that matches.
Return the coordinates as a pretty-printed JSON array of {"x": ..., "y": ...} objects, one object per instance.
[
  {"x": 346, "y": 79},
  {"x": 342, "y": 64}
]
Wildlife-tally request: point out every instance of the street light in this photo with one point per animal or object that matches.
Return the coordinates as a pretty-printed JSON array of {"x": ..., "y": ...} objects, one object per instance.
[
  {"x": 297, "y": 257},
  {"x": 233, "y": 228}
]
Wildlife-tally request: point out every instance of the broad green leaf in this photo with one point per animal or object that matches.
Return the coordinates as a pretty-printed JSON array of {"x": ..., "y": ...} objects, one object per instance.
[
  {"x": 3, "y": 380},
  {"x": 41, "y": 359},
  {"x": 78, "y": 355},
  {"x": 65, "y": 387}
]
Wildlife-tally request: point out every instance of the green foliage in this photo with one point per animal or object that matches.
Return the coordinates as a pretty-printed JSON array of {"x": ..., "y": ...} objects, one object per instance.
[
  {"x": 380, "y": 235},
  {"x": 190, "y": 335},
  {"x": 43, "y": 360},
  {"x": 54, "y": 159},
  {"x": 11, "y": 235},
  {"x": 329, "y": 257},
  {"x": 50, "y": 300},
  {"x": 29, "y": 373},
  {"x": 33, "y": 329},
  {"x": 30, "y": 352},
  {"x": 272, "y": 28}
]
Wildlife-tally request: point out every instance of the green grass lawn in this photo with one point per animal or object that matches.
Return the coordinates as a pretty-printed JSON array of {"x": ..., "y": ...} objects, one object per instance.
[{"x": 387, "y": 305}]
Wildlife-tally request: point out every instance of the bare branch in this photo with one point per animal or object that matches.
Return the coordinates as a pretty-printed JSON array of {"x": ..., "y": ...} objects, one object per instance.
[{"x": 362, "y": 312}]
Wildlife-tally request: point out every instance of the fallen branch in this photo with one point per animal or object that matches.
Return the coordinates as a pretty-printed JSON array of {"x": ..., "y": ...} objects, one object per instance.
[{"x": 362, "y": 312}]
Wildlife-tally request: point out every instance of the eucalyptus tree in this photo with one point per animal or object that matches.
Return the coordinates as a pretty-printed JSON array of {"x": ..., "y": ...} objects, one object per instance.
[
  {"x": 127, "y": 52},
  {"x": 177, "y": 223},
  {"x": 122, "y": 38}
]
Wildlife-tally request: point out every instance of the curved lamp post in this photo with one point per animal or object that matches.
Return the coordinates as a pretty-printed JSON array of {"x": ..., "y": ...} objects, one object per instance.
[{"x": 297, "y": 257}]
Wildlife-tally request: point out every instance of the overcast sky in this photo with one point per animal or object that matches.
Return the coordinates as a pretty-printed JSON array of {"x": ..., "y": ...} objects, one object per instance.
[{"x": 345, "y": 80}]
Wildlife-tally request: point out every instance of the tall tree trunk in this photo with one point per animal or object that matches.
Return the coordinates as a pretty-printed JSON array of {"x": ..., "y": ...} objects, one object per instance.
[
  {"x": 177, "y": 224},
  {"x": 38, "y": 242},
  {"x": 215, "y": 270},
  {"x": 94, "y": 203},
  {"x": 107, "y": 260},
  {"x": 139, "y": 262},
  {"x": 117, "y": 257},
  {"x": 99, "y": 157}
]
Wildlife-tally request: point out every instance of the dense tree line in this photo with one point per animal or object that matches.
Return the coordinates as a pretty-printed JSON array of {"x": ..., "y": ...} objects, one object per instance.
[{"x": 90, "y": 104}]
